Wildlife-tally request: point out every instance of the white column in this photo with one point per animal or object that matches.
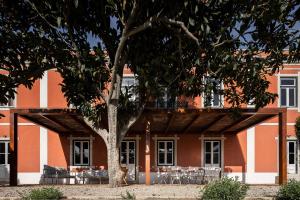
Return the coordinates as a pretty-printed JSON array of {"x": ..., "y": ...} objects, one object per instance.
[
  {"x": 251, "y": 150},
  {"x": 43, "y": 131}
]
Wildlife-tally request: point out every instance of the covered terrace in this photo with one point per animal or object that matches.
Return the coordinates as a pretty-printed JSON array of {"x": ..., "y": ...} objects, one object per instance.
[{"x": 180, "y": 121}]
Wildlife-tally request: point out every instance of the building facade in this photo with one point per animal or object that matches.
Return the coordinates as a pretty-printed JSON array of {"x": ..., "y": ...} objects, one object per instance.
[{"x": 250, "y": 156}]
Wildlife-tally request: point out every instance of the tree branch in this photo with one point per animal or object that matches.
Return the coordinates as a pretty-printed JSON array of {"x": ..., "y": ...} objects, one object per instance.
[
  {"x": 102, "y": 132},
  {"x": 47, "y": 22}
]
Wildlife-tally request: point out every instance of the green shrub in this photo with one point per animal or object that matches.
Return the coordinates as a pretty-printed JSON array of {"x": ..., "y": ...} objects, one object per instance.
[
  {"x": 128, "y": 196},
  {"x": 224, "y": 189},
  {"x": 289, "y": 191},
  {"x": 43, "y": 194}
]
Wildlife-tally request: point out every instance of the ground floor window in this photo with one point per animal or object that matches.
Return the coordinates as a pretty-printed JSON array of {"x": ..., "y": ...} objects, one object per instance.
[
  {"x": 165, "y": 152},
  {"x": 212, "y": 153},
  {"x": 4, "y": 152},
  {"x": 127, "y": 152},
  {"x": 81, "y": 152},
  {"x": 292, "y": 156}
]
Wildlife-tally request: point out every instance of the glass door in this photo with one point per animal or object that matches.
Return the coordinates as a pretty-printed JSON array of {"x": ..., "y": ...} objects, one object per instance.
[
  {"x": 292, "y": 156},
  {"x": 128, "y": 158},
  {"x": 212, "y": 153}
]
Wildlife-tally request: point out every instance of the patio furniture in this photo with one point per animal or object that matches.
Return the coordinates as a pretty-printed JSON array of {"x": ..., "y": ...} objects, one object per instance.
[
  {"x": 56, "y": 173},
  {"x": 125, "y": 173},
  {"x": 211, "y": 173},
  {"x": 162, "y": 175},
  {"x": 175, "y": 175}
]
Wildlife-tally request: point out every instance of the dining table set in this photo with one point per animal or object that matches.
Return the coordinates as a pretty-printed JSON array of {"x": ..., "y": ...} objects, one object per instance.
[{"x": 186, "y": 175}]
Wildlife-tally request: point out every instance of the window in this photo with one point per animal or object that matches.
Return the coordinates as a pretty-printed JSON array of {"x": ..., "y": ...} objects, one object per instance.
[
  {"x": 215, "y": 99},
  {"x": 81, "y": 152},
  {"x": 288, "y": 92},
  {"x": 127, "y": 152},
  {"x": 129, "y": 84},
  {"x": 4, "y": 152},
  {"x": 165, "y": 153},
  {"x": 212, "y": 153},
  {"x": 292, "y": 157}
]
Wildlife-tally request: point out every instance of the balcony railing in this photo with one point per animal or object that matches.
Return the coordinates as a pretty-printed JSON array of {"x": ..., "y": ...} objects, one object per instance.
[{"x": 170, "y": 104}]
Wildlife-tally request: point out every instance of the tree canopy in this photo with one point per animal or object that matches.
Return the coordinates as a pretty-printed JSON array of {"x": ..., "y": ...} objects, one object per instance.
[{"x": 186, "y": 46}]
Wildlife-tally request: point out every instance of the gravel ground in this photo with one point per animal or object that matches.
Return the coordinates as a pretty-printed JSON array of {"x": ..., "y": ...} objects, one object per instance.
[{"x": 141, "y": 191}]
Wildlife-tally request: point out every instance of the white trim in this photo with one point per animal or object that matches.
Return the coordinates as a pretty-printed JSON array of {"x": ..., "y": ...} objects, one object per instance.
[
  {"x": 275, "y": 124},
  {"x": 4, "y": 138},
  {"x": 19, "y": 124},
  {"x": 286, "y": 75},
  {"x": 43, "y": 148},
  {"x": 29, "y": 178},
  {"x": 202, "y": 138},
  {"x": 175, "y": 138},
  {"x": 44, "y": 91},
  {"x": 254, "y": 178},
  {"x": 251, "y": 150},
  {"x": 91, "y": 139}
]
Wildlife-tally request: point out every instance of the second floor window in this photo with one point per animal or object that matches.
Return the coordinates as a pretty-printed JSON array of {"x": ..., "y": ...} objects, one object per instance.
[
  {"x": 129, "y": 83},
  {"x": 11, "y": 103},
  {"x": 215, "y": 99},
  {"x": 288, "y": 92}
]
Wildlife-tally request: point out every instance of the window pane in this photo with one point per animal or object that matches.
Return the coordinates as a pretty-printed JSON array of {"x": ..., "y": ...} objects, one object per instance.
[
  {"x": 169, "y": 158},
  {"x": 283, "y": 96},
  {"x": 77, "y": 152},
  {"x": 291, "y": 159},
  {"x": 291, "y": 147},
  {"x": 169, "y": 147},
  {"x": 207, "y": 147},
  {"x": 123, "y": 158},
  {"x": 216, "y": 100},
  {"x": 161, "y": 158},
  {"x": 2, "y": 147},
  {"x": 2, "y": 158},
  {"x": 207, "y": 158},
  {"x": 287, "y": 81},
  {"x": 123, "y": 147},
  {"x": 86, "y": 153},
  {"x": 216, "y": 147},
  {"x": 161, "y": 147},
  {"x": 216, "y": 158},
  {"x": 292, "y": 97}
]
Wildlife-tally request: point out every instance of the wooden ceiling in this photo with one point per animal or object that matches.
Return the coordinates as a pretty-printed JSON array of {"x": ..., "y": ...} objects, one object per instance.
[{"x": 181, "y": 121}]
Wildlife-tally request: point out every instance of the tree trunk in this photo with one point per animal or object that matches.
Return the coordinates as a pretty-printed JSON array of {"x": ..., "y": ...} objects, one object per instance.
[{"x": 114, "y": 170}]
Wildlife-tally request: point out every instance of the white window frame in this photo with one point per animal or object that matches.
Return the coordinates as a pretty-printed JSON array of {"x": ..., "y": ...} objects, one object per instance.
[
  {"x": 127, "y": 152},
  {"x": 296, "y": 153},
  {"x": 221, "y": 101},
  {"x": 287, "y": 87},
  {"x": 6, "y": 151},
  {"x": 81, "y": 152},
  {"x": 212, "y": 153},
  {"x": 8, "y": 105},
  {"x": 165, "y": 163}
]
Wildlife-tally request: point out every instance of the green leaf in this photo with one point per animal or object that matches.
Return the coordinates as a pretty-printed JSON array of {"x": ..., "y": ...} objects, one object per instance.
[
  {"x": 191, "y": 21},
  {"x": 58, "y": 21},
  {"x": 76, "y": 3}
]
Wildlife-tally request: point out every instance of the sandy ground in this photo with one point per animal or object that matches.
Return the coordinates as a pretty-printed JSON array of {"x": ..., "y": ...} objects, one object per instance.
[{"x": 140, "y": 191}]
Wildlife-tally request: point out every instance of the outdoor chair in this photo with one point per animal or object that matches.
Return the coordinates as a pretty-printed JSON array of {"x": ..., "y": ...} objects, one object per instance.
[
  {"x": 56, "y": 173},
  {"x": 211, "y": 174},
  {"x": 162, "y": 175},
  {"x": 175, "y": 175}
]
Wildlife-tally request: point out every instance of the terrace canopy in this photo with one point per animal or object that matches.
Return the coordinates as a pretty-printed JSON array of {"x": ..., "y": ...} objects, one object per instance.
[{"x": 180, "y": 121}]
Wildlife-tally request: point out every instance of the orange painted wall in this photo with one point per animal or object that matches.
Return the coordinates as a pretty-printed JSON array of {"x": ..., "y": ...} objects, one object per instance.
[
  {"x": 58, "y": 150},
  {"x": 235, "y": 152},
  {"x": 56, "y": 98},
  {"x": 266, "y": 148},
  {"x": 29, "y": 98},
  {"x": 99, "y": 152},
  {"x": 29, "y": 149}
]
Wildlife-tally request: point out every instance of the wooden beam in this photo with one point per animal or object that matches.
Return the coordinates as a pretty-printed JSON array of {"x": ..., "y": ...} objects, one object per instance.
[
  {"x": 235, "y": 123},
  {"x": 170, "y": 121},
  {"x": 89, "y": 129},
  {"x": 147, "y": 155},
  {"x": 13, "y": 147},
  {"x": 282, "y": 120},
  {"x": 189, "y": 125},
  {"x": 254, "y": 123},
  {"x": 40, "y": 123},
  {"x": 218, "y": 118},
  {"x": 58, "y": 123}
]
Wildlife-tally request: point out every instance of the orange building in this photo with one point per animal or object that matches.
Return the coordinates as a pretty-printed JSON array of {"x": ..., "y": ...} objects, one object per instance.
[{"x": 244, "y": 149}]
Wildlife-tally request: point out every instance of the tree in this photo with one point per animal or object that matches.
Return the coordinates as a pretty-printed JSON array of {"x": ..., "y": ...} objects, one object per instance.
[{"x": 178, "y": 45}]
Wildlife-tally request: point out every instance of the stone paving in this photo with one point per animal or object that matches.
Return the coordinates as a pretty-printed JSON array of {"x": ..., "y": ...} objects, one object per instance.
[{"x": 140, "y": 191}]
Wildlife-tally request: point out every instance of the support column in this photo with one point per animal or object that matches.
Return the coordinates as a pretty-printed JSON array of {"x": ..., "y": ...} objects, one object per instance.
[
  {"x": 282, "y": 120},
  {"x": 13, "y": 147},
  {"x": 147, "y": 155}
]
